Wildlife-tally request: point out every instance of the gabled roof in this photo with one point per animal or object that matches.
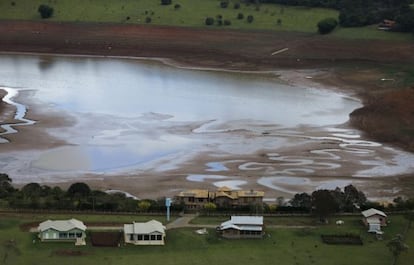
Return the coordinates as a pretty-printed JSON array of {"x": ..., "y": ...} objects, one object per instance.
[
  {"x": 144, "y": 228},
  {"x": 250, "y": 223},
  {"x": 371, "y": 212},
  {"x": 61, "y": 225},
  {"x": 250, "y": 193},
  {"x": 247, "y": 220},
  {"x": 194, "y": 193}
]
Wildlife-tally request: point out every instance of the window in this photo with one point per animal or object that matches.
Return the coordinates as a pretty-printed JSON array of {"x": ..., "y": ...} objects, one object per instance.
[
  {"x": 200, "y": 199},
  {"x": 140, "y": 237},
  {"x": 71, "y": 235},
  {"x": 63, "y": 235},
  {"x": 146, "y": 237},
  {"x": 78, "y": 234},
  {"x": 191, "y": 199},
  {"x": 159, "y": 237},
  {"x": 153, "y": 237},
  {"x": 131, "y": 237}
]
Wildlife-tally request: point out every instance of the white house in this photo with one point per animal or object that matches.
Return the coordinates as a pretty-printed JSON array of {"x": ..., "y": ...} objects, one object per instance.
[
  {"x": 374, "y": 219},
  {"x": 63, "y": 230},
  {"x": 242, "y": 227},
  {"x": 149, "y": 233}
]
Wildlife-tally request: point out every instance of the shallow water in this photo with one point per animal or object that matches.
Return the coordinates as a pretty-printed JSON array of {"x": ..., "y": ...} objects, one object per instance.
[{"x": 143, "y": 115}]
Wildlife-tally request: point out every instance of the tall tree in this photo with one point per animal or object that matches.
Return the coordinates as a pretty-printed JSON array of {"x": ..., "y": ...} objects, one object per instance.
[
  {"x": 6, "y": 187},
  {"x": 324, "y": 204}
]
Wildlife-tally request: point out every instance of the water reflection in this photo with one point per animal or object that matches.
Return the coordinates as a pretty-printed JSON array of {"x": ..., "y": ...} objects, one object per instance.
[{"x": 138, "y": 115}]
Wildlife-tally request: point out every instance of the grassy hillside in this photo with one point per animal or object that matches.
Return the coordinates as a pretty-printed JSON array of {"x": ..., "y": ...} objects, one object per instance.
[{"x": 191, "y": 13}]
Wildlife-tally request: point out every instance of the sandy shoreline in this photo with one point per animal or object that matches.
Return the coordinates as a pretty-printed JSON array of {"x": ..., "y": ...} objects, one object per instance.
[{"x": 209, "y": 51}]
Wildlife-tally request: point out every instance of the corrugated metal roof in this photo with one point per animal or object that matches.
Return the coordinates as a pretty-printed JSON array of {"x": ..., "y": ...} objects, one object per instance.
[
  {"x": 246, "y": 223},
  {"x": 61, "y": 225},
  {"x": 372, "y": 211},
  {"x": 144, "y": 228},
  {"x": 247, "y": 220}
]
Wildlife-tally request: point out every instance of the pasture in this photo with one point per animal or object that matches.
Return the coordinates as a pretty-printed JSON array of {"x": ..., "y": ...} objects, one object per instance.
[
  {"x": 281, "y": 245},
  {"x": 190, "y": 13}
]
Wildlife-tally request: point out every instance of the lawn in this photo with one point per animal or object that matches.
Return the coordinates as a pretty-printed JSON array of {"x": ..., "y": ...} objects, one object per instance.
[
  {"x": 183, "y": 246},
  {"x": 192, "y": 13}
]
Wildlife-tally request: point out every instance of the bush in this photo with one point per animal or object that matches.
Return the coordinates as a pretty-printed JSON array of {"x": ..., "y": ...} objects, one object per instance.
[
  {"x": 177, "y": 6},
  {"x": 224, "y": 4},
  {"x": 148, "y": 20},
  {"x": 166, "y": 2},
  {"x": 250, "y": 18},
  {"x": 236, "y": 5},
  {"x": 45, "y": 11},
  {"x": 240, "y": 16},
  {"x": 327, "y": 25},
  {"x": 209, "y": 21},
  {"x": 227, "y": 22}
]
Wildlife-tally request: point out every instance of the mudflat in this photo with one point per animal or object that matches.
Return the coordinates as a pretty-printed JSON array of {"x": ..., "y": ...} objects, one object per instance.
[{"x": 351, "y": 65}]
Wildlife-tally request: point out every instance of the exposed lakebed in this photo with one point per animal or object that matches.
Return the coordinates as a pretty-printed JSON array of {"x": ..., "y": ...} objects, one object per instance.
[{"x": 145, "y": 118}]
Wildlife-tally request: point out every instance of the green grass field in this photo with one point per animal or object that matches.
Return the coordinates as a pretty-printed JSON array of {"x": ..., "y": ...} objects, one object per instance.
[
  {"x": 192, "y": 13},
  {"x": 281, "y": 246}
]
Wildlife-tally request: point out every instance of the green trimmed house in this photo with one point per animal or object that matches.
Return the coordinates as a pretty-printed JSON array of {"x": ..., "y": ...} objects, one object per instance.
[{"x": 63, "y": 230}]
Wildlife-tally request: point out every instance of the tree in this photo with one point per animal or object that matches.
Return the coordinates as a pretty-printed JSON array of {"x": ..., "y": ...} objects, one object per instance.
[
  {"x": 210, "y": 207},
  {"x": 327, "y": 25},
  {"x": 5, "y": 185},
  {"x": 353, "y": 197},
  {"x": 45, "y": 11},
  {"x": 324, "y": 204},
  {"x": 79, "y": 189},
  {"x": 396, "y": 246},
  {"x": 302, "y": 200},
  {"x": 250, "y": 18},
  {"x": 32, "y": 189},
  {"x": 144, "y": 206},
  {"x": 166, "y": 2},
  {"x": 240, "y": 16},
  {"x": 224, "y": 4},
  {"x": 209, "y": 21}
]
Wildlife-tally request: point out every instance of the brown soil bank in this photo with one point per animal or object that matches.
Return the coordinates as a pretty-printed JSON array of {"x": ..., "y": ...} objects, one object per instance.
[{"x": 388, "y": 114}]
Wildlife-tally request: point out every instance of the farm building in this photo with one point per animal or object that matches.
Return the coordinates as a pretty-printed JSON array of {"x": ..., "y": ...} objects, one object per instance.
[
  {"x": 374, "y": 219},
  {"x": 149, "y": 233},
  {"x": 63, "y": 230},
  {"x": 242, "y": 227}
]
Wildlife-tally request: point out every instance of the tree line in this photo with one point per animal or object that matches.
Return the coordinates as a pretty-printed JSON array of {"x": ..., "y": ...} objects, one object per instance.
[
  {"x": 357, "y": 13},
  {"x": 80, "y": 197}
]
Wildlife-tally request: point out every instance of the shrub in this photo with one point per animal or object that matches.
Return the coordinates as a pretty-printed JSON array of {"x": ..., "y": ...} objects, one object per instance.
[
  {"x": 209, "y": 21},
  {"x": 219, "y": 22},
  {"x": 148, "y": 20},
  {"x": 166, "y": 2},
  {"x": 236, "y": 6},
  {"x": 250, "y": 18},
  {"x": 224, "y": 4},
  {"x": 45, "y": 11},
  {"x": 177, "y": 6},
  {"x": 327, "y": 25},
  {"x": 240, "y": 16},
  {"x": 227, "y": 22}
]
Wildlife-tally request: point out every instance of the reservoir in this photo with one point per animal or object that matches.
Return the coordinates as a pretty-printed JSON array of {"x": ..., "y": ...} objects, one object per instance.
[{"x": 146, "y": 119}]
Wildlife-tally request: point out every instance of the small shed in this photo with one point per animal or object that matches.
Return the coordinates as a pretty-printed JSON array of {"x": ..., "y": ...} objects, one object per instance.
[{"x": 374, "y": 219}]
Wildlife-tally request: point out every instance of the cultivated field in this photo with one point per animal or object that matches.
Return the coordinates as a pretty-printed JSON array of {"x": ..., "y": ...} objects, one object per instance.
[{"x": 280, "y": 246}]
